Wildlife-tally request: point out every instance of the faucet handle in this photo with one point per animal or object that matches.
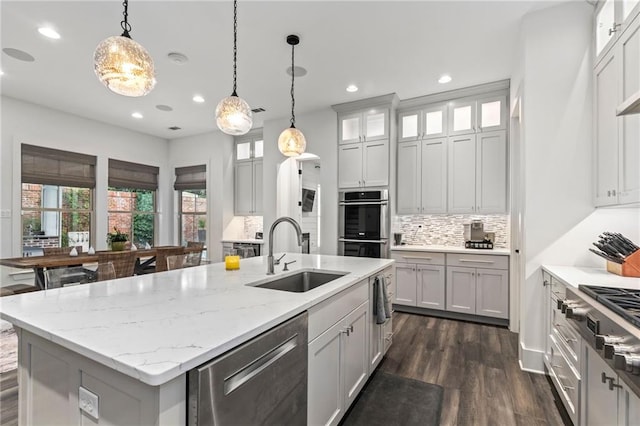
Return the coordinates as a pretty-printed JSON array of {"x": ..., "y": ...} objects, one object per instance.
[
  {"x": 286, "y": 264},
  {"x": 277, "y": 261}
]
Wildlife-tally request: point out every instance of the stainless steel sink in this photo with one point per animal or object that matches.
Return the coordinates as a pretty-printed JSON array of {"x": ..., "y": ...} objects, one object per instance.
[{"x": 302, "y": 281}]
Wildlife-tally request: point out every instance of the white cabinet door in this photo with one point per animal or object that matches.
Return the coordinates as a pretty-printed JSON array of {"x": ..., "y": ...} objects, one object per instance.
[
  {"x": 244, "y": 188},
  {"x": 628, "y": 406},
  {"x": 492, "y": 114},
  {"x": 375, "y": 163},
  {"x": 376, "y": 342},
  {"x": 434, "y": 176},
  {"x": 431, "y": 287},
  {"x": 461, "y": 289},
  {"x": 257, "y": 188},
  {"x": 601, "y": 404},
  {"x": 406, "y": 284},
  {"x": 350, "y": 165},
  {"x": 462, "y": 117},
  {"x": 462, "y": 174},
  {"x": 355, "y": 353},
  {"x": 606, "y": 122},
  {"x": 410, "y": 126},
  {"x": 628, "y": 52},
  {"x": 434, "y": 121},
  {"x": 375, "y": 125},
  {"x": 350, "y": 128},
  {"x": 492, "y": 293},
  {"x": 491, "y": 175},
  {"x": 408, "y": 182},
  {"x": 604, "y": 25},
  {"x": 325, "y": 384}
]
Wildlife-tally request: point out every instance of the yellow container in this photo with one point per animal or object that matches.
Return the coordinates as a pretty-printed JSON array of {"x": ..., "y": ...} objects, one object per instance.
[{"x": 232, "y": 263}]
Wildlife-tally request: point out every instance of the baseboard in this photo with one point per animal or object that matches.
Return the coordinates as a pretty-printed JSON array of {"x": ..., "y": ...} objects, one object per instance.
[{"x": 531, "y": 360}]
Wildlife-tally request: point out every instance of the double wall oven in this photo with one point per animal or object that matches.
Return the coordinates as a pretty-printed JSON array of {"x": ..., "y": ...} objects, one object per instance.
[{"x": 364, "y": 223}]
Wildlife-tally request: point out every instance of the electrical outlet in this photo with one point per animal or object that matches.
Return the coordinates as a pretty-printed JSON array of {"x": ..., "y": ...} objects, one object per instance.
[
  {"x": 5, "y": 214},
  {"x": 88, "y": 402}
]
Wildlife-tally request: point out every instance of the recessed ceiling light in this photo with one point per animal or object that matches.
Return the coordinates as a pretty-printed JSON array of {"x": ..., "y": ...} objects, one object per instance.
[
  {"x": 199, "y": 99},
  {"x": 445, "y": 78},
  {"x": 49, "y": 32},
  {"x": 18, "y": 54},
  {"x": 352, "y": 88},
  {"x": 177, "y": 58},
  {"x": 165, "y": 108},
  {"x": 136, "y": 115}
]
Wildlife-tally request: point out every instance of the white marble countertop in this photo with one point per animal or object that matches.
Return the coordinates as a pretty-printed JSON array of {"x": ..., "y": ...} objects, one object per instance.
[
  {"x": 575, "y": 275},
  {"x": 243, "y": 240},
  {"x": 158, "y": 326},
  {"x": 450, "y": 249}
]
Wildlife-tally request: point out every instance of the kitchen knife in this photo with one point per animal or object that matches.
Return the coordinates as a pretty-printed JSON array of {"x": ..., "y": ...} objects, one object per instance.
[{"x": 606, "y": 256}]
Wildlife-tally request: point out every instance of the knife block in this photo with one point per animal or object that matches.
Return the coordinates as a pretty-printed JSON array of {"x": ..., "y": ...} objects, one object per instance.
[{"x": 629, "y": 268}]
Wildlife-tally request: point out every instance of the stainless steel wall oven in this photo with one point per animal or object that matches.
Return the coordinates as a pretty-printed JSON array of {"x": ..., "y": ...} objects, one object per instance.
[{"x": 364, "y": 223}]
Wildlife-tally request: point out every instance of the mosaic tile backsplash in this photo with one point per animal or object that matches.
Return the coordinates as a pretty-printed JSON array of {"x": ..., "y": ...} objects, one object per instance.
[
  {"x": 252, "y": 224},
  {"x": 447, "y": 230}
]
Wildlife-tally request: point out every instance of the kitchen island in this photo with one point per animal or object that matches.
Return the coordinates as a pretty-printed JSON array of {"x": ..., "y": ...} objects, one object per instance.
[{"x": 133, "y": 340}]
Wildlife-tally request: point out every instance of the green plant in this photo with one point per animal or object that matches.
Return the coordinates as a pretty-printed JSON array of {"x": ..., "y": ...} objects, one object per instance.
[
  {"x": 117, "y": 236},
  {"x": 202, "y": 223}
]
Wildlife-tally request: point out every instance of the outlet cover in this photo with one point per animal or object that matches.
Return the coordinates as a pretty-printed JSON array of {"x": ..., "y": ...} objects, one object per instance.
[{"x": 88, "y": 402}]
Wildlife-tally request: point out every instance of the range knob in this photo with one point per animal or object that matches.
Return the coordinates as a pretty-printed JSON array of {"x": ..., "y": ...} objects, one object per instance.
[
  {"x": 601, "y": 340},
  {"x": 576, "y": 313},
  {"x": 566, "y": 304},
  {"x": 610, "y": 349},
  {"x": 628, "y": 362}
]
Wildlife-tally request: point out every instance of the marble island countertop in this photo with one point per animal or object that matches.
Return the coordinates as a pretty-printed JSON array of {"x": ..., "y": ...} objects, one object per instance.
[
  {"x": 242, "y": 240},
  {"x": 450, "y": 249},
  {"x": 158, "y": 326},
  {"x": 576, "y": 275}
]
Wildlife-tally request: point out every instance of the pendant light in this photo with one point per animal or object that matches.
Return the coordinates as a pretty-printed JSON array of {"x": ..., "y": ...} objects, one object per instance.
[
  {"x": 233, "y": 115},
  {"x": 123, "y": 65},
  {"x": 291, "y": 141}
]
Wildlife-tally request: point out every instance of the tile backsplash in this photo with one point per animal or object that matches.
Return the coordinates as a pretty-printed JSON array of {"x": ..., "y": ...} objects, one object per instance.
[
  {"x": 447, "y": 230},
  {"x": 252, "y": 224}
]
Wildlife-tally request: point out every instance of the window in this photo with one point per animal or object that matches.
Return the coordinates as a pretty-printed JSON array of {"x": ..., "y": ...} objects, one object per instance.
[
  {"x": 191, "y": 184},
  {"x": 250, "y": 146},
  {"x": 57, "y": 198},
  {"x": 132, "y": 200}
]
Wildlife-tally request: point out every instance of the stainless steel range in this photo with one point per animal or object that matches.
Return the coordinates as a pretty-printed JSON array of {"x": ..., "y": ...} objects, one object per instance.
[{"x": 609, "y": 321}]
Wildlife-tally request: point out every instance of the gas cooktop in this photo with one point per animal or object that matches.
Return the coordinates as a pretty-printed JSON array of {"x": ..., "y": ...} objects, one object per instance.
[{"x": 624, "y": 302}]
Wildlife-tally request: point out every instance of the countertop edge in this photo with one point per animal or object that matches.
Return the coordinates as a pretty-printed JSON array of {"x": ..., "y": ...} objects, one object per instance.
[{"x": 446, "y": 249}]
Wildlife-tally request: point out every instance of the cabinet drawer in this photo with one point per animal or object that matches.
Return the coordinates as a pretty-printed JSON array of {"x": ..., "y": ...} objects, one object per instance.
[
  {"x": 418, "y": 257},
  {"x": 478, "y": 261},
  {"x": 327, "y": 313},
  {"x": 565, "y": 379},
  {"x": 387, "y": 334},
  {"x": 567, "y": 338},
  {"x": 558, "y": 288}
]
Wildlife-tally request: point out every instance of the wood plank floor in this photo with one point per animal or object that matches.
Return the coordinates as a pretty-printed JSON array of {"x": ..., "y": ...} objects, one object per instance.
[
  {"x": 478, "y": 367},
  {"x": 476, "y": 364}
]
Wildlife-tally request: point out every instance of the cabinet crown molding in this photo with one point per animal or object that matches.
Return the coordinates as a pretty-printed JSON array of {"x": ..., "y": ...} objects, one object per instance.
[
  {"x": 449, "y": 95},
  {"x": 390, "y": 101}
]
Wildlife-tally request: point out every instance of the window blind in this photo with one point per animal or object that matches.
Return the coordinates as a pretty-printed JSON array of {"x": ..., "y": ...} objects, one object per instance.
[
  {"x": 49, "y": 166},
  {"x": 192, "y": 177},
  {"x": 123, "y": 174}
]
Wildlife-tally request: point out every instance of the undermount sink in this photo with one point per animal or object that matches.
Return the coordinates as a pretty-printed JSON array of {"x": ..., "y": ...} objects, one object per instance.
[{"x": 302, "y": 281}]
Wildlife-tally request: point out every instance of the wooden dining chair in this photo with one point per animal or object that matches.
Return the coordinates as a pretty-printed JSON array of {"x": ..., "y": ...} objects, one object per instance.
[
  {"x": 54, "y": 251},
  {"x": 123, "y": 262},
  {"x": 106, "y": 271},
  {"x": 176, "y": 261},
  {"x": 161, "y": 256},
  {"x": 63, "y": 277},
  {"x": 195, "y": 244}
]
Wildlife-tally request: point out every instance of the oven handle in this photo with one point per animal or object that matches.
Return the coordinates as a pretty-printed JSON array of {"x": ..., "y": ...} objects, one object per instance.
[
  {"x": 348, "y": 240},
  {"x": 364, "y": 203}
]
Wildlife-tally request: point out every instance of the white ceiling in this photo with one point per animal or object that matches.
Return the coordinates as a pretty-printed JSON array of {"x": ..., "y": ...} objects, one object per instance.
[{"x": 381, "y": 46}]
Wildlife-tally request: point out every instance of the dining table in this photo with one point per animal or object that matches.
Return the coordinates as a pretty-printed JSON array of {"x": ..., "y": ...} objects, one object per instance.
[{"x": 144, "y": 258}]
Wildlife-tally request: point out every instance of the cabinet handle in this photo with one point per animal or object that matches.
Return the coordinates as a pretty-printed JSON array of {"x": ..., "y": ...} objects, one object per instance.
[
  {"x": 473, "y": 274},
  {"x": 346, "y": 331},
  {"x": 613, "y": 192},
  {"x": 416, "y": 257},
  {"x": 475, "y": 261},
  {"x": 557, "y": 366},
  {"x": 612, "y": 385},
  {"x": 604, "y": 378},
  {"x": 572, "y": 340},
  {"x": 614, "y": 28},
  {"x": 545, "y": 283},
  {"x": 608, "y": 193},
  {"x": 565, "y": 387}
]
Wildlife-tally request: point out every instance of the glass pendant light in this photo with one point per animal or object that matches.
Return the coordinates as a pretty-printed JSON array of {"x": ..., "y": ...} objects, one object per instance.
[
  {"x": 123, "y": 65},
  {"x": 291, "y": 141},
  {"x": 233, "y": 115}
]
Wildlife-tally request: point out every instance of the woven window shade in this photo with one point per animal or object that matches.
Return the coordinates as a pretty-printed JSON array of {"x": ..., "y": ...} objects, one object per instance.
[
  {"x": 49, "y": 166},
  {"x": 123, "y": 174},
  {"x": 192, "y": 177}
]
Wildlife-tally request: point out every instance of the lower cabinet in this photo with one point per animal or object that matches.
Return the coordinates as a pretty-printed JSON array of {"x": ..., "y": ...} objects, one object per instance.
[
  {"x": 381, "y": 335},
  {"x": 420, "y": 279},
  {"x": 478, "y": 291}
]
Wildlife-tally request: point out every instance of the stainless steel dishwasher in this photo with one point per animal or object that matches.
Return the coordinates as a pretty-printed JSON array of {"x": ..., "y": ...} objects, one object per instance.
[{"x": 261, "y": 382}]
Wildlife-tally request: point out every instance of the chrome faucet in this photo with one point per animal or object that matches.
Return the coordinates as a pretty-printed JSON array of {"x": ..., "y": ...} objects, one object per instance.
[{"x": 270, "y": 263}]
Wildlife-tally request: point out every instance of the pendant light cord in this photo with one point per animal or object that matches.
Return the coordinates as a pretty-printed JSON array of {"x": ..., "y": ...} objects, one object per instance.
[
  {"x": 124, "y": 24},
  {"x": 235, "y": 45},
  {"x": 293, "y": 99}
]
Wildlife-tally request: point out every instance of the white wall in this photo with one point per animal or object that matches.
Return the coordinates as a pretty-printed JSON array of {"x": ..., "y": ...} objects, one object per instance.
[
  {"x": 554, "y": 77},
  {"x": 214, "y": 149},
  {"x": 321, "y": 131},
  {"x": 23, "y": 122}
]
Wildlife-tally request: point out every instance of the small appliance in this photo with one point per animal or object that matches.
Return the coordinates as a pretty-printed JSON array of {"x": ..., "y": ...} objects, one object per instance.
[{"x": 397, "y": 238}]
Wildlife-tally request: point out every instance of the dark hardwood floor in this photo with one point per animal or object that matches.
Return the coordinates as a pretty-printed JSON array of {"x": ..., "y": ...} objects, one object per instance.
[
  {"x": 476, "y": 364},
  {"x": 478, "y": 367}
]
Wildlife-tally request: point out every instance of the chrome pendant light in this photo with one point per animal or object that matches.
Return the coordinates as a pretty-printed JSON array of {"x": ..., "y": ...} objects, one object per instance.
[
  {"x": 123, "y": 65},
  {"x": 233, "y": 115},
  {"x": 291, "y": 141}
]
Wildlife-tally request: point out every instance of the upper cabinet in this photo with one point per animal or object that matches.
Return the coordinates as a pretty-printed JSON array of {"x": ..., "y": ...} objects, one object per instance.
[
  {"x": 612, "y": 19},
  {"x": 477, "y": 115},
  {"x": 363, "y": 126},
  {"x": 248, "y": 174},
  {"x": 427, "y": 123},
  {"x": 617, "y": 138},
  {"x": 364, "y": 129}
]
